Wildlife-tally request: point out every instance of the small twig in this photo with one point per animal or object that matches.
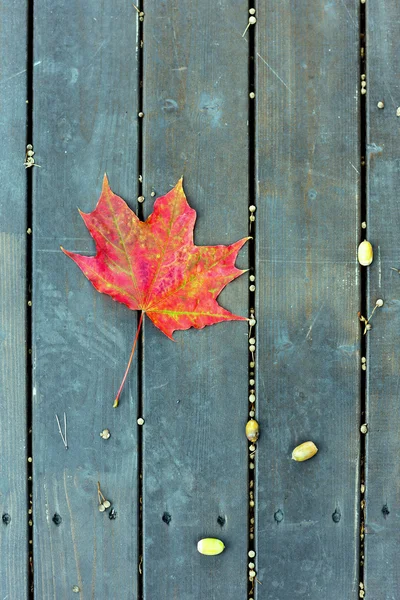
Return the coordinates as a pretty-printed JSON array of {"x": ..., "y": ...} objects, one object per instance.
[
  {"x": 28, "y": 165},
  {"x": 63, "y": 435},
  {"x": 99, "y": 493},
  {"x": 252, "y": 21},
  {"x": 368, "y": 326},
  {"x": 103, "y": 502},
  {"x": 394, "y": 269},
  {"x": 140, "y": 12}
]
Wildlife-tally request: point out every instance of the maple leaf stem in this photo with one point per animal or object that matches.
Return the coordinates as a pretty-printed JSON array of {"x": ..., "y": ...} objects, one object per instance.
[{"x": 116, "y": 401}]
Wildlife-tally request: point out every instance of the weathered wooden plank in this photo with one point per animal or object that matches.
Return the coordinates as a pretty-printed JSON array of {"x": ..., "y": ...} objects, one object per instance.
[
  {"x": 308, "y": 294},
  {"x": 195, "y": 390},
  {"x": 85, "y": 123},
  {"x": 382, "y": 532},
  {"x": 13, "y": 440}
]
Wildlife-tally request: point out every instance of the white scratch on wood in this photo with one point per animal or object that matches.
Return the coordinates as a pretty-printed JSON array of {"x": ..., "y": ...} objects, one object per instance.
[
  {"x": 308, "y": 336},
  {"x": 348, "y": 12},
  {"x": 358, "y": 172},
  {"x": 158, "y": 387},
  {"x": 379, "y": 268},
  {"x": 274, "y": 72},
  {"x": 19, "y": 73}
]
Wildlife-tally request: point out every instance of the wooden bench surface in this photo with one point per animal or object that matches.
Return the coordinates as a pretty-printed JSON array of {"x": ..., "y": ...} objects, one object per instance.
[{"x": 273, "y": 119}]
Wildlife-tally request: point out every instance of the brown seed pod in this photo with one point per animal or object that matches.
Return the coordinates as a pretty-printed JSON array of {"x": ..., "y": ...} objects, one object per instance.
[{"x": 252, "y": 430}]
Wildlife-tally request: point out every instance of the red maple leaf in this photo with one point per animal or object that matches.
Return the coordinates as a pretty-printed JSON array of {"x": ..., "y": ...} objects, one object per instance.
[{"x": 154, "y": 266}]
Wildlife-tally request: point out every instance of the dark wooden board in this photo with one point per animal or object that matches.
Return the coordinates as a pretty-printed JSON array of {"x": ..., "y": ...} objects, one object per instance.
[
  {"x": 308, "y": 338},
  {"x": 382, "y": 495},
  {"x": 195, "y": 390},
  {"x": 13, "y": 438},
  {"x": 85, "y": 123}
]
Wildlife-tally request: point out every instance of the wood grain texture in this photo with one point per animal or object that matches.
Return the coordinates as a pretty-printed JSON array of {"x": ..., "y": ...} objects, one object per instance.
[
  {"x": 382, "y": 524},
  {"x": 85, "y": 123},
  {"x": 13, "y": 438},
  {"x": 308, "y": 296},
  {"x": 195, "y": 390}
]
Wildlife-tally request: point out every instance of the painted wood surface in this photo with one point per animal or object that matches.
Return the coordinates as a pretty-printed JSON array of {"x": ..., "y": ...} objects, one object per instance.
[
  {"x": 85, "y": 123},
  {"x": 13, "y": 299},
  {"x": 307, "y": 277},
  {"x": 195, "y": 390},
  {"x": 382, "y": 492}
]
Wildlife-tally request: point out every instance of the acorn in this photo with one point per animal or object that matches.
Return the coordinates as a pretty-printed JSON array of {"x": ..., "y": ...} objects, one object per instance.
[
  {"x": 210, "y": 546},
  {"x": 252, "y": 430},
  {"x": 365, "y": 253},
  {"x": 304, "y": 451}
]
